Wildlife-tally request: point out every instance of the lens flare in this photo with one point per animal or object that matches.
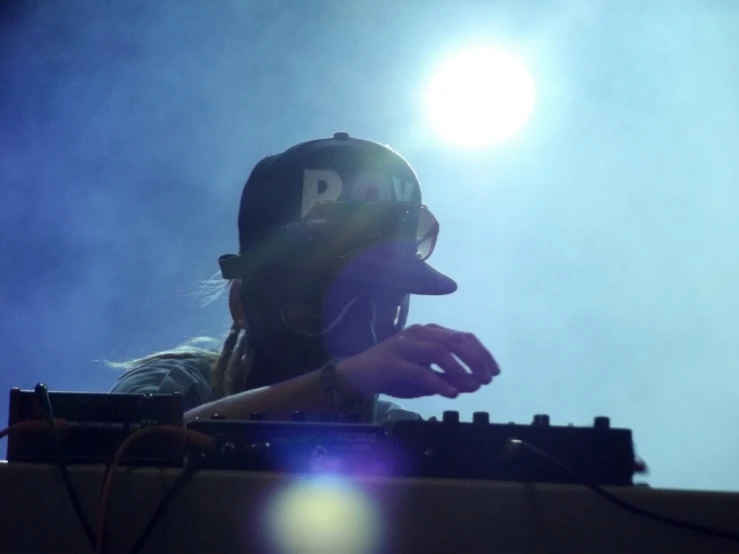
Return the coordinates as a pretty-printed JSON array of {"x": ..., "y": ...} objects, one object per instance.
[{"x": 323, "y": 515}]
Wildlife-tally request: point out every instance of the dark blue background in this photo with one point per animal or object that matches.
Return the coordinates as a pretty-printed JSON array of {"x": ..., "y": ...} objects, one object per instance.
[{"x": 595, "y": 250}]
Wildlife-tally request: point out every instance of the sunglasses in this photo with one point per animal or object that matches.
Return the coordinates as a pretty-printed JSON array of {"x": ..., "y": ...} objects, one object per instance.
[
  {"x": 344, "y": 229},
  {"x": 341, "y": 230}
]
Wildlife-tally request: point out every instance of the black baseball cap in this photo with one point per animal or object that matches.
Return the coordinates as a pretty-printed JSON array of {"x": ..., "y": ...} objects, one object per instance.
[{"x": 282, "y": 189}]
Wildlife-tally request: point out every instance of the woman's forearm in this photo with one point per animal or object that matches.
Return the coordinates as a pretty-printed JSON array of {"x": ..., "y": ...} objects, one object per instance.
[{"x": 302, "y": 393}]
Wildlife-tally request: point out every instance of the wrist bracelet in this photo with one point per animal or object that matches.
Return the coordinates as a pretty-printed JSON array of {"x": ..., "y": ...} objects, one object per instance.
[{"x": 332, "y": 389}]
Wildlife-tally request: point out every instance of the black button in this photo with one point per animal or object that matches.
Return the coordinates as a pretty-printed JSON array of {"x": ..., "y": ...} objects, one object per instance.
[
  {"x": 341, "y": 136},
  {"x": 481, "y": 417},
  {"x": 450, "y": 417}
]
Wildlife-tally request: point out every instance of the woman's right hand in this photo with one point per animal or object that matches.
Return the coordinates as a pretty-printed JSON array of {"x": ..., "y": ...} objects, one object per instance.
[{"x": 401, "y": 366}]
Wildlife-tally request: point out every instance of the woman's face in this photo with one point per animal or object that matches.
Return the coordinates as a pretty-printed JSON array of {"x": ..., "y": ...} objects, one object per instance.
[
  {"x": 287, "y": 303},
  {"x": 350, "y": 317},
  {"x": 298, "y": 321}
]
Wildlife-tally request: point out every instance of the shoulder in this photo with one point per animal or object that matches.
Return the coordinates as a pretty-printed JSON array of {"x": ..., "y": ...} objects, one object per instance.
[
  {"x": 166, "y": 374},
  {"x": 387, "y": 412}
]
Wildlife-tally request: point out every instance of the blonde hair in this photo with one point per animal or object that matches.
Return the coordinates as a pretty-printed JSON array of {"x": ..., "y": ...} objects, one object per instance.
[{"x": 230, "y": 360}]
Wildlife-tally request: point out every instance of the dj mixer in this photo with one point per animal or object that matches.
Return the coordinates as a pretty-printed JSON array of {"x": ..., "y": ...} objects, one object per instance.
[{"x": 96, "y": 424}]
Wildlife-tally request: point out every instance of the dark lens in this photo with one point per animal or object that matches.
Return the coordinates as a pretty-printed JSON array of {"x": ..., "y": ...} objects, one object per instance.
[
  {"x": 426, "y": 233},
  {"x": 345, "y": 228}
]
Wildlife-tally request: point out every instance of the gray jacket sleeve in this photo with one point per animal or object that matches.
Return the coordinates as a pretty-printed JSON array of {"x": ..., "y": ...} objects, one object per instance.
[
  {"x": 190, "y": 377},
  {"x": 169, "y": 375},
  {"x": 387, "y": 412}
]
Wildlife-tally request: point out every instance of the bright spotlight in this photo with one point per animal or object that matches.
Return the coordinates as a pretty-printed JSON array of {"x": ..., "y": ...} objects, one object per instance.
[{"x": 480, "y": 97}]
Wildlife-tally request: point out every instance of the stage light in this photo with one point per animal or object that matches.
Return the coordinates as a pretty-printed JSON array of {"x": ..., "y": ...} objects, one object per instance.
[{"x": 480, "y": 97}]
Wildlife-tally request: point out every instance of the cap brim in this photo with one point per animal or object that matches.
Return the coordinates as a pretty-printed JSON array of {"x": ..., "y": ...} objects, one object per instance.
[
  {"x": 413, "y": 277},
  {"x": 409, "y": 276},
  {"x": 421, "y": 278}
]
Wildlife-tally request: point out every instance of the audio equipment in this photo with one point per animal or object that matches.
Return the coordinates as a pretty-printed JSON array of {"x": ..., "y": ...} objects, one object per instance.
[
  {"x": 97, "y": 424},
  {"x": 446, "y": 449}
]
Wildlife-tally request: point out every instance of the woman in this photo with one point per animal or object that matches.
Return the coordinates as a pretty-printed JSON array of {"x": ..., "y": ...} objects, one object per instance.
[{"x": 333, "y": 238}]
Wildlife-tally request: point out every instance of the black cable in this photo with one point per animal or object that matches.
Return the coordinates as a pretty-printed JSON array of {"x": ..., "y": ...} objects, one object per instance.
[
  {"x": 42, "y": 395},
  {"x": 192, "y": 467},
  {"x": 513, "y": 445}
]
